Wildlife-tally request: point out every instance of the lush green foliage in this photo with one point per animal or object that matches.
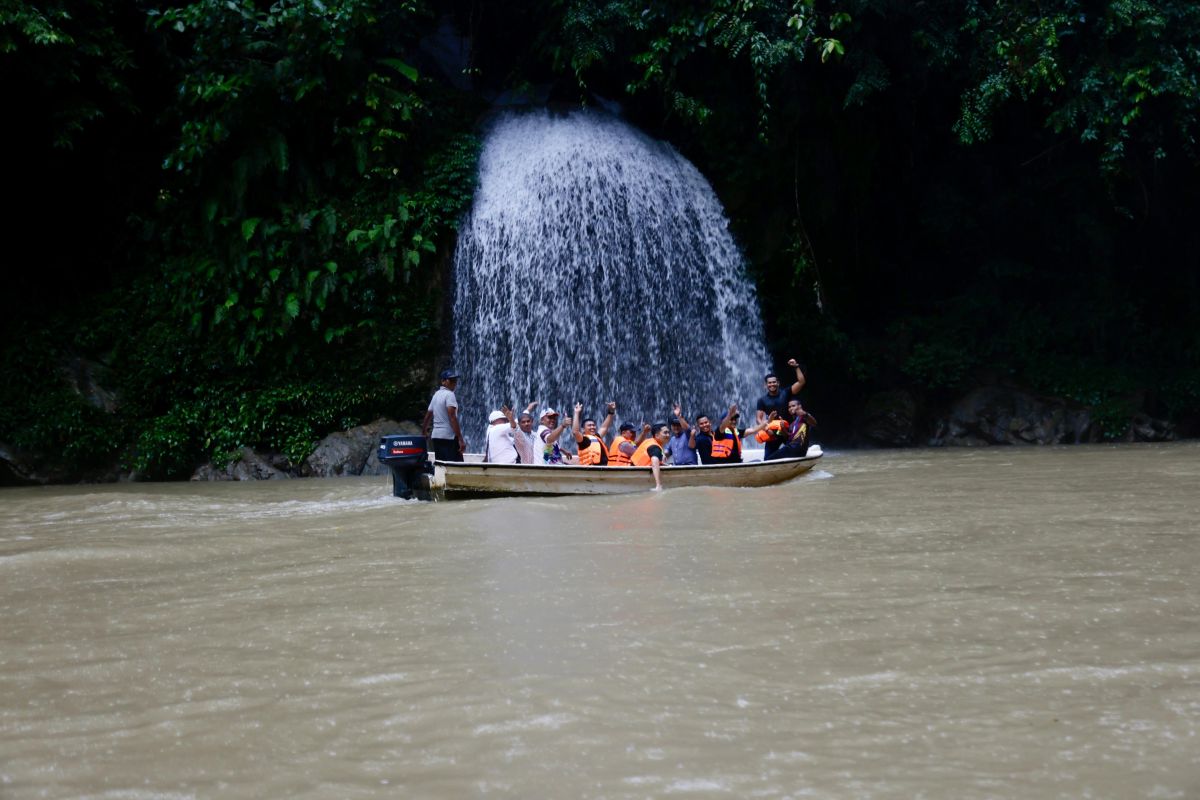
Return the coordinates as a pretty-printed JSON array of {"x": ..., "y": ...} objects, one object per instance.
[
  {"x": 73, "y": 56},
  {"x": 245, "y": 209},
  {"x": 289, "y": 247},
  {"x": 296, "y": 206}
]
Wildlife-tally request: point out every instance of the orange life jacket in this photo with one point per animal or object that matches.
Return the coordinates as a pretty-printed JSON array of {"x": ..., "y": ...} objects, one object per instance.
[
  {"x": 641, "y": 457},
  {"x": 723, "y": 448},
  {"x": 776, "y": 429},
  {"x": 593, "y": 454},
  {"x": 615, "y": 457}
]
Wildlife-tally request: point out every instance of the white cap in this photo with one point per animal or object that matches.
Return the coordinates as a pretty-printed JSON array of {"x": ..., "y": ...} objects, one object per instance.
[
  {"x": 548, "y": 411},
  {"x": 495, "y": 416}
]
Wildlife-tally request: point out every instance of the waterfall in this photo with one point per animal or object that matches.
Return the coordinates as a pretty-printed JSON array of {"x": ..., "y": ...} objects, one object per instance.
[{"x": 596, "y": 264}]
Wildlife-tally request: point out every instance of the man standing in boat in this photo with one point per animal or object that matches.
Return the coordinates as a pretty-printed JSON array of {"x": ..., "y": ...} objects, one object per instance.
[
  {"x": 446, "y": 435},
  {"x": 777, "y": 401}
]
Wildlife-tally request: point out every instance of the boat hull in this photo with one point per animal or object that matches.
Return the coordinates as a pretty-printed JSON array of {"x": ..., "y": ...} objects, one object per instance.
[{"x": 453, "y": 479}]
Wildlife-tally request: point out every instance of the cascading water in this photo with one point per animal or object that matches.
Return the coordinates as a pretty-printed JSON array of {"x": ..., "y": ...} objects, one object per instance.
[{"x": 596, "y": 264}]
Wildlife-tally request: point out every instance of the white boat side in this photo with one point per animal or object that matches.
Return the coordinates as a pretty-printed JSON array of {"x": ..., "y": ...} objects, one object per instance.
[{"x": 454, "y": 478}]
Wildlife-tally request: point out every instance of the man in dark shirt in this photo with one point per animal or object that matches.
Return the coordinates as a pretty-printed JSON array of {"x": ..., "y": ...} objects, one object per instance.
[
  {"x": 777, "y": 401},
  {"x": 799, "y": 432},
  {"x": 704, "y": 435}
]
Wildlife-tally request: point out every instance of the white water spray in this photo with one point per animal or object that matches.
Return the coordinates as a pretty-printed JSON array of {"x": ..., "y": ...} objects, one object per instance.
[{"x": 596, "y": 264}]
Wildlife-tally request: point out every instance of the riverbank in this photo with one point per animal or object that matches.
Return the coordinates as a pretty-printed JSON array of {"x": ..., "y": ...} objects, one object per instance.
[{"x": 989, "y": 416}]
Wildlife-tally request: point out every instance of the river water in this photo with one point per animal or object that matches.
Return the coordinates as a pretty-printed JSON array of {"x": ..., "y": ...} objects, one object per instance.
[{"x": 999, "y": 623}]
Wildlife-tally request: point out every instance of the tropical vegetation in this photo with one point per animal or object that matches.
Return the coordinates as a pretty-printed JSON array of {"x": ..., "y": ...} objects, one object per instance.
[{"x": 237, "y": 216}]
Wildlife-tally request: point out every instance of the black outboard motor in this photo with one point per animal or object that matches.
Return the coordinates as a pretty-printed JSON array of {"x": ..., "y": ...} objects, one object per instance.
[{"x": 406, "y": 457}]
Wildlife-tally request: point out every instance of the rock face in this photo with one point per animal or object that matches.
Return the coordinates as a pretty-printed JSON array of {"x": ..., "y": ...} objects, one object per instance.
[
  {"x": 248, "y": 466},
  {"x": 1147, "y": 429},
  {"x": 353, "y": 452},
  {"x": 890, "y": 419},
  {"x": 1001, "y": 415}
]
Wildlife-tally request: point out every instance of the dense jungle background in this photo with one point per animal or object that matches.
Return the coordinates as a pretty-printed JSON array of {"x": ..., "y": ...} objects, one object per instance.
[{"x": 230, "y": 222}]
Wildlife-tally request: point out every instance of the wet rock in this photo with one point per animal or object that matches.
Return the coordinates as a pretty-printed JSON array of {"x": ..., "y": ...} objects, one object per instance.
[
  {"x": 889, "y": 419},
  {"x": 353, "y": 452},
  {"x": 17, "y": 468},
  {"x": 25, "y": 468},
  {"x": 247, "y": 466},
  {"x": 1005, "y": 415},
  {"x": 1145, "y": 428}
]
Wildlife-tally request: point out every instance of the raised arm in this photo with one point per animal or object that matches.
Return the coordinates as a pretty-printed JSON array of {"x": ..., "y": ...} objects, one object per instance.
[
  {"x": 641, "y": 437},
  {"x": 508, "y": 412},
  {"x": 610, "y": 414},
  {"x": 799, "y": 384},
  {"x": 678, "y": 412},
  {"x": 575, "y": 424},
  {"x": 563, "y": 427},
  {"x": 728, "y": 421}
]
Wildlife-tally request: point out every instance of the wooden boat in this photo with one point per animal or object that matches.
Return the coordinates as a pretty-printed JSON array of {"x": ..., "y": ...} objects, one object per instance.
[{"x": 455, "y": 479}]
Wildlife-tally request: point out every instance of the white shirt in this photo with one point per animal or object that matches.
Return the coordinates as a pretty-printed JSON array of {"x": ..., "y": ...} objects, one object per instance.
[
  {"x": 500, "y": 447},
  {"x": 526, "y": 445}
]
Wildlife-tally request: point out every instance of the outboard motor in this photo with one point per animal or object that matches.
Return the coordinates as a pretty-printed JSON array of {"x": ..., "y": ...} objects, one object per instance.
[{"x": 409, "y": 462}]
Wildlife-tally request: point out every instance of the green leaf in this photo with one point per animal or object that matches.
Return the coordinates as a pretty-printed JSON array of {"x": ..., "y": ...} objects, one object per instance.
[
  {"x": 291, "y": 306},
  {"x": 249, "y": 226},
  {"x": 404, "y": 69}
]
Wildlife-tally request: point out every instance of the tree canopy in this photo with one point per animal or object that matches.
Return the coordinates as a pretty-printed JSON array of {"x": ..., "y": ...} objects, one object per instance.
[{"x": 240, "y": 209}]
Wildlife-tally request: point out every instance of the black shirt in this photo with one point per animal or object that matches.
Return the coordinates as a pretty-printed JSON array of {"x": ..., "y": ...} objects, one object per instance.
[
  {"x": 778, "y": 403},
  {"x": 704, "y": 449}
]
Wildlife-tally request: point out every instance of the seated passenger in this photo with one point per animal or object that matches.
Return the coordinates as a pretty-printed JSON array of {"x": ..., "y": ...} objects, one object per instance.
[
  {"x": 796, "y": 445},
  {"x": 550, "y": 431},
  {"x": 650, "y": 452},
  {"x": 500, "y": 447},
  {"x": 679, "y": 448},
  {"x": 622, "y": 447},
  {"x": 589, "y": 441},
  {"x": 718, "y": 445}
]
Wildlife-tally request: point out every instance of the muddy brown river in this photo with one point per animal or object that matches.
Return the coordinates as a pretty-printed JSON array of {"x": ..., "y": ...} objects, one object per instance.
[{"x": 999, "y": 623}]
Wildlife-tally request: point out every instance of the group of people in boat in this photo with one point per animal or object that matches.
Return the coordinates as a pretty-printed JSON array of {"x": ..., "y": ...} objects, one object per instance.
[{"x": 781, "y": 424}]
